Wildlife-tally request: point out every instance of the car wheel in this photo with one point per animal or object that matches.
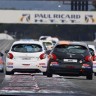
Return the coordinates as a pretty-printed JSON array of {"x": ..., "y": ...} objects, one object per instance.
[
  {"x": 44, "y": 73},
  {"x": 89, "y": 77},
  {"x": 9, "y": 73},
  {"x": 2, "y": 71},
  {"x": 49, "y": 74},
  {"x": 94, "y": 74}
]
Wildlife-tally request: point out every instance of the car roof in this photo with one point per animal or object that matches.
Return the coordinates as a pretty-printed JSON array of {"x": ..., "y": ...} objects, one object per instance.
[
  {"x": 80, "y": 43},
  {"x": 64, "y": 42},
  {"x": 45, "y": 41},
  {"x": 44, "y": 36},
  {"x": 73, "y": 43},
  {"x": 92, "y": 46},
  {"x": 27, "y": 41}
]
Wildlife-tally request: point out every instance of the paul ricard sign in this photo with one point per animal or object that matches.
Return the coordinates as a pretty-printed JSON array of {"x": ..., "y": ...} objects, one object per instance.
[{"x": 47, "y": 17}]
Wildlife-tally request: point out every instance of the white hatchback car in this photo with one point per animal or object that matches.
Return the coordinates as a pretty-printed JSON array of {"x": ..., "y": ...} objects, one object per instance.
[
  {"x": 94, "y": 61},
  {"x": 2, "y": 62},
  {"x": 26, "y": 56},
  {"x": 48, "y": 44}
]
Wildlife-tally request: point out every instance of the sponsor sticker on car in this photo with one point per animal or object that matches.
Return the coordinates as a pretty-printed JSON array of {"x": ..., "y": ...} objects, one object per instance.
[
  {"x": 41, "y": 63},
  {"x": 10, "y": 66}
]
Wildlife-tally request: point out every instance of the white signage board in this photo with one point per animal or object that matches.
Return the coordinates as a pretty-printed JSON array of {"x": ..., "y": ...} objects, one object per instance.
[{"x": 47, "y": 17}]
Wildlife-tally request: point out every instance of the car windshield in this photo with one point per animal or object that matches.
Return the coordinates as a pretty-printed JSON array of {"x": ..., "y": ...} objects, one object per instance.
[
  {"x": 27, "y": 48},
  {"x": 70, "y": 49}
]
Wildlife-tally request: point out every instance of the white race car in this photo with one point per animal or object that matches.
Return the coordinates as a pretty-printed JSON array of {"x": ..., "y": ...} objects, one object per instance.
[
  {"x": 48, "y": 44},
  {"x": 1, "y": 63},
  {"x": 92, "y": 48},
  {"x": 26, "y": 56}
]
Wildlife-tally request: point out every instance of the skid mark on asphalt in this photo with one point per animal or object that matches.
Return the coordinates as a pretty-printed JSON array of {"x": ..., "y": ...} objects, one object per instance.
[
  {"x": 39, "y": 84},
  {"x": 58, "y": 84},
  {"x": 18, "y": 83}
]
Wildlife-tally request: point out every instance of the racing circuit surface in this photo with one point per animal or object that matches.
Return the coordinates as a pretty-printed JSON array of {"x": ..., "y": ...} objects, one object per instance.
[{"x": 35, "y": 84}]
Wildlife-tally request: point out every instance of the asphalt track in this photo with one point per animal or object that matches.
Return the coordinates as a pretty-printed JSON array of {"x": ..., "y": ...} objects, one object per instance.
[{"x": 36, "y": 84}]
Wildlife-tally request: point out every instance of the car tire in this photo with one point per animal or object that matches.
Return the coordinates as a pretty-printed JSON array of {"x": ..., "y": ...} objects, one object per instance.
[
  {"x": 2, "y": 71},
  {"x": 89, "y": 77},
  {"x": 9, "y": 73},
  {"x": 94, "y": 74},
  {"x": 44, "y": 73},
  {"x": 49, "y": 74}
]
